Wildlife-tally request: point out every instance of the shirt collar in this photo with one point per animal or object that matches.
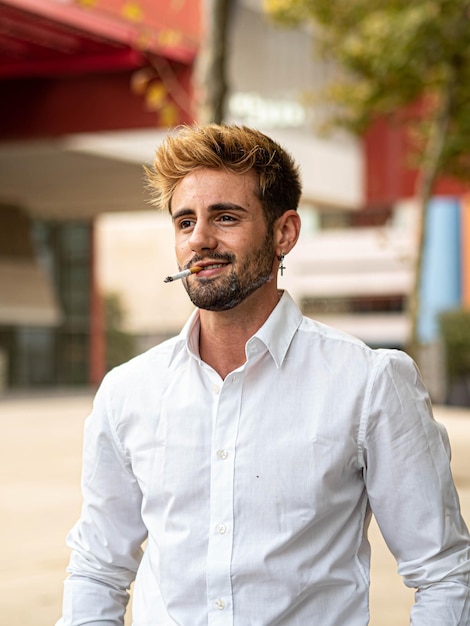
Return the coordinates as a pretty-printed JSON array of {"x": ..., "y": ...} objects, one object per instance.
[
  {"x": 189, "y": 336},
  {"x": 276, "y": 333},
  {"x": 279, "y": 329}
]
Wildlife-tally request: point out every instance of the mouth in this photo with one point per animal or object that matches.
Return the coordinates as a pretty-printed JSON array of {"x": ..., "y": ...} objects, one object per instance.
[{"x": 208, "y": 268}]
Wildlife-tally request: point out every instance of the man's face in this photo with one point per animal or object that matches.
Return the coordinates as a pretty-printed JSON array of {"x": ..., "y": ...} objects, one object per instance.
[{"x": 220, "y": 226}]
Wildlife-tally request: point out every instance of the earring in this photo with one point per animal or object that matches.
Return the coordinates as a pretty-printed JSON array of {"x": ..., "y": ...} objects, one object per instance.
[{"x": 281, "y": 263}]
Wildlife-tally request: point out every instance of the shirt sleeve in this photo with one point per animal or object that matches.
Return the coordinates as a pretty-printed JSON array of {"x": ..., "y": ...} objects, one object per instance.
[
  {"x": 412, "y": 493},
  {"x": 106, "y": 541}
]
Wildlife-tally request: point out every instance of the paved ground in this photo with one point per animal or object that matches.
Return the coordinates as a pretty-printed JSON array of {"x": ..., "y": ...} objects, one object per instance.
[{"x": 40, "y": 452}]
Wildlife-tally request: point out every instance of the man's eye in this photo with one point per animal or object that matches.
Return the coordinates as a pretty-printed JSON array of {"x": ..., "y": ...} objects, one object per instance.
[
  {"x": 226, "y": 218},
  {"x": 185, "y": 224}
]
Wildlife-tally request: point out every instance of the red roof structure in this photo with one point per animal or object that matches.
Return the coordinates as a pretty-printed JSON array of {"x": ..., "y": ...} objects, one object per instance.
[{"x": 71, "y": 66}]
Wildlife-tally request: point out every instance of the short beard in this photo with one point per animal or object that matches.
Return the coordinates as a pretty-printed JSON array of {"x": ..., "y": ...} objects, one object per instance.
[{"x": 225, "y": 293}]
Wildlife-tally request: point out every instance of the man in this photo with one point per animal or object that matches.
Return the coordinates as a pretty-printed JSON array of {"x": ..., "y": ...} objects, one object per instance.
[{"x": 249, "y": 452}]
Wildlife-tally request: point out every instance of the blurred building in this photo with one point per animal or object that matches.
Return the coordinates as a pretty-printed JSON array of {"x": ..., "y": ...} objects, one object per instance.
[
  {"x": 68, "y": 70},
  {"x": 89, "y": 94},
  {"x": 445, "y": 277}
]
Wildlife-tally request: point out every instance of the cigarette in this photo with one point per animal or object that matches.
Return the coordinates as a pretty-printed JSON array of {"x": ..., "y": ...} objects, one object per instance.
[{"x": 183, "y": 274}]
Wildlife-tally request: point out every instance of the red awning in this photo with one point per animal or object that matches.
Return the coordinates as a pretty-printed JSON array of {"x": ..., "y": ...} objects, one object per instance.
[{"x": 50, "y": 38}]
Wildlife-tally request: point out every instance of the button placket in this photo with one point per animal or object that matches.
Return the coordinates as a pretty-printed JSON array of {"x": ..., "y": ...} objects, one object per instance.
[{"x": 219, "y": 585}]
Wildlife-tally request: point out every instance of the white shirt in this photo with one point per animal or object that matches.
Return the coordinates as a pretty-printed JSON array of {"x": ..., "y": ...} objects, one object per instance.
[{"x": 255, "y": 492}]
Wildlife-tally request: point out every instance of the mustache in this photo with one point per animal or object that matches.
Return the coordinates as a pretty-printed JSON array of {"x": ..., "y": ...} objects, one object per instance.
[{"x": 214, "y": 256}]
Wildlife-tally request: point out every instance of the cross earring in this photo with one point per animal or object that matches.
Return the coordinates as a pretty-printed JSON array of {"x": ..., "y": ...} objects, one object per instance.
[{"x": 281, "y": 263}]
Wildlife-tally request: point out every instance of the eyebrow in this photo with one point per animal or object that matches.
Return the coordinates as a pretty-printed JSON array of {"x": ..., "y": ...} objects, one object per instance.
[{"x": 218, "y": 207}]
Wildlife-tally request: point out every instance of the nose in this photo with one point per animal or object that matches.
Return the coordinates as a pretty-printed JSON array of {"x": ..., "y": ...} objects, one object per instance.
[{"x": 202, "y": 237}]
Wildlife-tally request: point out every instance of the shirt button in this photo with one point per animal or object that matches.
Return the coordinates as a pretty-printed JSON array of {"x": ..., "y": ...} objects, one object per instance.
[
  {"x": 221, "y": 529},
  {"x": 215, "y": 388},
  {"x": 222, "y": 454},
  {"x": 220, "y": 604}
]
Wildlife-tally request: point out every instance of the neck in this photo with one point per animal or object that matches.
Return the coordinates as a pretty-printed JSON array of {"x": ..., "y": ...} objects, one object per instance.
[{"x": 224, "y": 334}]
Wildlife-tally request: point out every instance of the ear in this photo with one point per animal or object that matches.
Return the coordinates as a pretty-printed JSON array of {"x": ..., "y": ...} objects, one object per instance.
[{"x": 286, "y": 231}]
